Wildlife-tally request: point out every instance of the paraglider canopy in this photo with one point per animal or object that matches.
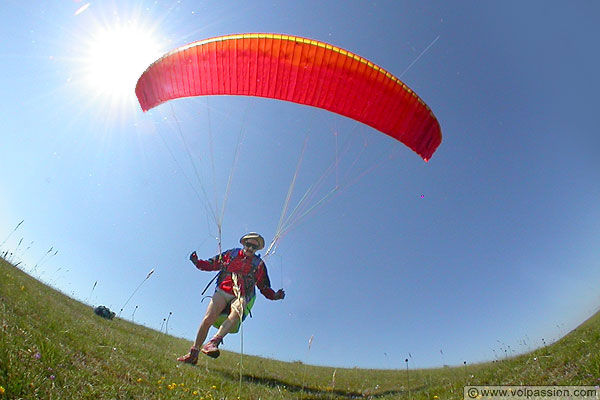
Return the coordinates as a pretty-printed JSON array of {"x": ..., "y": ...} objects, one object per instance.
[{"x": 294, "y": 69}]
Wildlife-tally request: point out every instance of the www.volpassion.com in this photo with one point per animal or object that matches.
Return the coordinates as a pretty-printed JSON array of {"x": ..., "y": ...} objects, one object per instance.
[{"x": 531, "y": 392}]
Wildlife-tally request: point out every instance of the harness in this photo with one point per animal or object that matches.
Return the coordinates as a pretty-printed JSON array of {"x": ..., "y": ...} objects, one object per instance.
[{"x": 249, "y": 279}]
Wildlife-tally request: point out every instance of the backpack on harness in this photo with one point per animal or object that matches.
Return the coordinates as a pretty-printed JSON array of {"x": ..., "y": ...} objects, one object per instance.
[{"x": 104, "y": 312}]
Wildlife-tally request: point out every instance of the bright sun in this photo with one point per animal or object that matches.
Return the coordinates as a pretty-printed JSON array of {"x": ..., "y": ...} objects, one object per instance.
[{"x": 116, "y": 57}]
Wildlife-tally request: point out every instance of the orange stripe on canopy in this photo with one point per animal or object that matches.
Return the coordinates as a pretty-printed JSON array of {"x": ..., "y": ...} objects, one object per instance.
[{"x": 294, "y": 69}]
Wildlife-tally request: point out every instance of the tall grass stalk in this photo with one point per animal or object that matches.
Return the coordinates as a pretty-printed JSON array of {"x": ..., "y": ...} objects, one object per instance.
[
  {"x": 136, "y": 289},
  {"x": 92, "y": 291},
  {"x": 133, "y": 314},
  {"x": 11, "y": 233},
  {"x": 407, "y": 377},
  {"x": 304, "y": 371}
]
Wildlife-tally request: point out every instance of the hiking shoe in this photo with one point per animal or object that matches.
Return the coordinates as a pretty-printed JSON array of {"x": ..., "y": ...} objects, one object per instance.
[
  {"x": 211, "y": 348},
  {"x": 190, "y": 358}
]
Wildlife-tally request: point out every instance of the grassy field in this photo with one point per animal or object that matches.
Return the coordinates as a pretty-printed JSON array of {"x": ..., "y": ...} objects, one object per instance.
[{"x": 53, "y": 347}]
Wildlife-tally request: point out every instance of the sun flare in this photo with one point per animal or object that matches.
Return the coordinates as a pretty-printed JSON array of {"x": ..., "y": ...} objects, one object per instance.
[{"x": 116, "y": 57}]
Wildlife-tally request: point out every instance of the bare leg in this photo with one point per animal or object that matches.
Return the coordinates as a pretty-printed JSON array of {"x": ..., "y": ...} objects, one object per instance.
[
  {"x": 216, "y": 306},
  {"x": 237, "y": 307}
]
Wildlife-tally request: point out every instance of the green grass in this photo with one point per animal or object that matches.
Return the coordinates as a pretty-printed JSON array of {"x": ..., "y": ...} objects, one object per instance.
[{"x": 53, "y": 347}]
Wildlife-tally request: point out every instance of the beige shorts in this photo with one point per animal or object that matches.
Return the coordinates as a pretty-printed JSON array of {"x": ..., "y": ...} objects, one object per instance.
[{"x": 228, "y": 296}]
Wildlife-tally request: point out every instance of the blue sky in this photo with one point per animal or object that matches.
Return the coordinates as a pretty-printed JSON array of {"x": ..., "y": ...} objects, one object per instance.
[{"x": 489, "y": 249}]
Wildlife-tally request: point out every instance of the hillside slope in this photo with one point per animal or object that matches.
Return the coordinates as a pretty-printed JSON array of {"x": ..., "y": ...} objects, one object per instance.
[{"x": 52, "y": 346}]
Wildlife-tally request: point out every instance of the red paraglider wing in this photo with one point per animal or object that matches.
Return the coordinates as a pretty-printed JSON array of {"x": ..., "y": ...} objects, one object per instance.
[{"x": 298, "y": 70}]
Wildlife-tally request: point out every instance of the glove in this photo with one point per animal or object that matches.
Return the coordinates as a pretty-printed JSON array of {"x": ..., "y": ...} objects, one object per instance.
[
  {"x": 194, "y": 257},
  {"x": 271, "y": 294}
]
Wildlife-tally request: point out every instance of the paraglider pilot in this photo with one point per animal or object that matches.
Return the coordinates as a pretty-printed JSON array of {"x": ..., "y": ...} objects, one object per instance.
[{"x": 240, "y": 270}]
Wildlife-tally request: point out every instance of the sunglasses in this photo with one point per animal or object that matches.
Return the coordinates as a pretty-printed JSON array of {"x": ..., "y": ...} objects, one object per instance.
[{"x": 251, "y": 246}]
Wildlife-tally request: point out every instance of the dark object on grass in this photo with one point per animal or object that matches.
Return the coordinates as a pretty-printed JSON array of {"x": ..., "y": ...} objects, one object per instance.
[{"x": 104, "y": 312}]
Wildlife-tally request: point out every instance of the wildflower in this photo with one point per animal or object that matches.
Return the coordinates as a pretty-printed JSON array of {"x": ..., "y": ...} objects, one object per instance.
[
  {"x": 37, "y": 355},
  {"x": 213, "y": 387},
  {"x": 139, "y": 380},
  {"x": 195, "y": 393},
  {"x": 2, "y": 390},
  {"x": 52, "y": 377}
]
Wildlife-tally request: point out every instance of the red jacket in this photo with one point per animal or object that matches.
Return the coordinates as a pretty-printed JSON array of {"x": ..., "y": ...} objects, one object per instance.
[{"x": 252, "y": 270}]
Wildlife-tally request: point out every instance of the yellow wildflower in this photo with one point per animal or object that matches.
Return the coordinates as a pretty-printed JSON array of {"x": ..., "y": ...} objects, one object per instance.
[
  {"x": 139, "y": 380},
  {"x": 195, "y": 393},
  {"x": 214, "y": 387},
  {"x": 2, "y": 390}
]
